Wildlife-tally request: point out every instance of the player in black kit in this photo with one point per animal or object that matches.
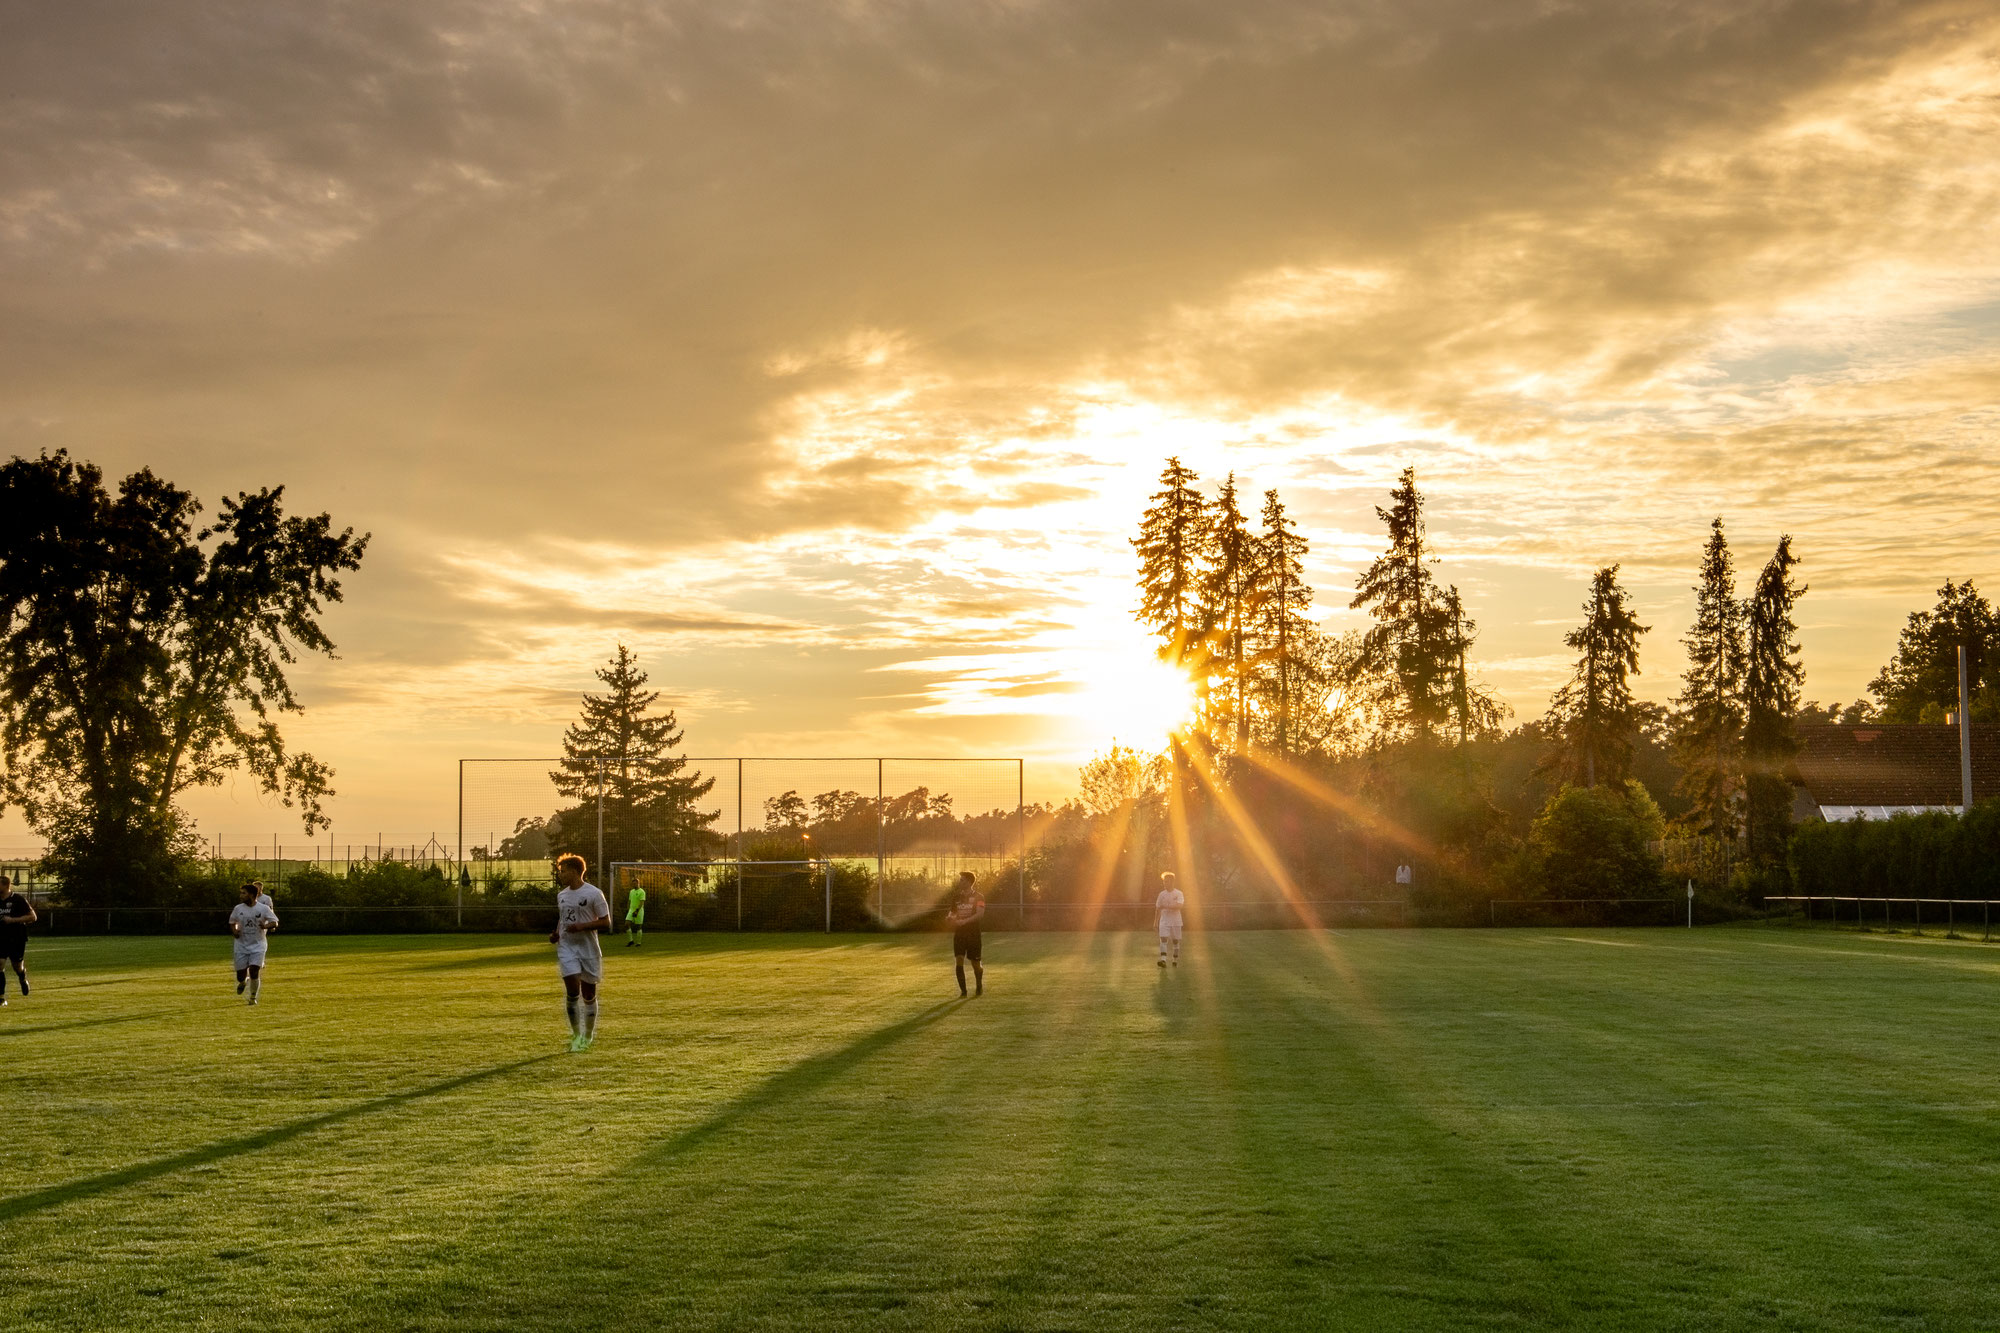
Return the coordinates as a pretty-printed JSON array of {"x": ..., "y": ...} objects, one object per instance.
[
  {"x": 16, "y": 915},
  {"x": 968, "y": 909}
]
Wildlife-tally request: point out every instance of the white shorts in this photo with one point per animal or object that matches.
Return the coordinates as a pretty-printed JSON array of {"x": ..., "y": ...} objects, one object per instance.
[
  {"x": 251, "y": 957},
  {"x": 1170, "y": 927},
  {"x": 589, "y": 966}
]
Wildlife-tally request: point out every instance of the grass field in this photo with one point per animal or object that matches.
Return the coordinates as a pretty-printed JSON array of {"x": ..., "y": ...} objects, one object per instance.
[{"x": 1723, "y": 1128}]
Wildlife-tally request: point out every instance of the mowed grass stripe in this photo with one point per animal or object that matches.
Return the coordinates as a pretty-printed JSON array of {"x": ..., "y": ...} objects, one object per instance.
[{"x": 1345, "y": 1129}]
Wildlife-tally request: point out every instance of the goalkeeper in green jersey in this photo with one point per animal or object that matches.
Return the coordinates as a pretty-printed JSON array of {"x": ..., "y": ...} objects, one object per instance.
[{"x": 635, "y": 917}]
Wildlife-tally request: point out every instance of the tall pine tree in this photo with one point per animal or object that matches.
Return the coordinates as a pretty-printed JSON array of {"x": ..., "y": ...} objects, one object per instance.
[
  {"x": 1229, "y": 588},
  {"x": 1594, "y": 716},
  {"x": 1285, "y": 653},
  {"x": 650, "y": 809},
  {"x": 1173, "y": 546},
  {"x": 1772, "y": 678},
  {"x": 1708, "y": 722},
  {"x": 1475, "y": 711},
  {"x": 1405, "y": 668}
]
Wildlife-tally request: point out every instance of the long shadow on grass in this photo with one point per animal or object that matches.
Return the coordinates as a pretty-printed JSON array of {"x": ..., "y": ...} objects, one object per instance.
[
  {"x": 793, "y": 1081},
  {"x": 104, "y": 1182},
  {"x": 83, "y": 1023}
]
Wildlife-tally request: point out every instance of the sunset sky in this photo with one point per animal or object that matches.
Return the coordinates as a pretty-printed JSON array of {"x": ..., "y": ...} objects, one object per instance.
[{"x": 826, "y": 354}]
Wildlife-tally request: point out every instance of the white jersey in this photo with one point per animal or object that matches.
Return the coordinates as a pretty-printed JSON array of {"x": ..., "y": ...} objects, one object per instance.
[
  {"x": 578, "y": 950},
  {"x": 1169, "y": 905},
  {"x": 253, "y": 918}
]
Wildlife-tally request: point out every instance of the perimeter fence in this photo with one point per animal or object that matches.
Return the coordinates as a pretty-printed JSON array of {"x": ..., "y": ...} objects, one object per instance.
[
  {"x": 1954, "y": 918},
  {"x": 892, "y": 833}
]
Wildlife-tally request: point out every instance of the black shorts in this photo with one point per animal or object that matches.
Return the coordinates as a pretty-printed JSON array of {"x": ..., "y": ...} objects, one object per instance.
[
  {"x": 13, "y": 950},
  {"x": 965, "y": 944}
]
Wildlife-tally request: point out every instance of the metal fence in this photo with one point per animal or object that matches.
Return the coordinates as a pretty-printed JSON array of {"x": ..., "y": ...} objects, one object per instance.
[
  {"x": 912, "y": 824},
  {"x": 1957, "y": 917}
]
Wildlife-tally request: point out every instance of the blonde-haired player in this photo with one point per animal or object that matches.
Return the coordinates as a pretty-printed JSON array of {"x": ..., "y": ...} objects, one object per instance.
[
  {"x": 1167, "y": 917},
  {"x": 581, "y": 912}
]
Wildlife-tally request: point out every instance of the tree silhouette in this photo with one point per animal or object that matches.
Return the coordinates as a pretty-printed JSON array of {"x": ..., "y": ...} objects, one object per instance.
[
  {"x": 144, "y": 657},
  {"x": 1924, "y": 671},
  {"x": 1594, "y": 715},
  {"x": 1285, "y": 658},
  {"x": 1406, "y": 666},
  {"x": 1772, "y": 678},
  {"x": 649, "y": 803},
  {"x": 1708, "y": 726},
  {"x": 1229, "y": 589}
]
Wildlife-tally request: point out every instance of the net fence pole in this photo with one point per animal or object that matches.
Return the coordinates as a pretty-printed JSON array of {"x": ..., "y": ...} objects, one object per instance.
[
  {"x": 1021, "y": 840},
  {"x": 739, "y": 809},
  {"x": 881, "y": 847},
  {"x": 461, "y": 842}
]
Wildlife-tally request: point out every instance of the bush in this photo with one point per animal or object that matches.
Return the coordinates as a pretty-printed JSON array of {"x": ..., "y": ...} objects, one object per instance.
[
  {"x": 1931, "y": 855},
  {"x": 1594, "y": 842}
]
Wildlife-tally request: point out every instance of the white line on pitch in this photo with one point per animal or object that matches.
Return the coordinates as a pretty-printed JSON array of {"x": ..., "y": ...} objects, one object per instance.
[{"x": 1615, "y": 944}]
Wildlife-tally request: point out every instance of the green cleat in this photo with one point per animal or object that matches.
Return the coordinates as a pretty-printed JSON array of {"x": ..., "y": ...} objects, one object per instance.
[{"x": 579, "y": 1042}]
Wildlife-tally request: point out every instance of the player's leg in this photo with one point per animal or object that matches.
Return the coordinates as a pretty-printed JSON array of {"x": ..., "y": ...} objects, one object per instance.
[
  {"x": 958, "y": 961},
  {"x": 1163, "y": 946},
  {"x": 977, "y": 953},
  {"x": 573, "y": 1004},
  {"x": 242, "y": 973},
  {"x": 588, "y": 988},
  {"x": 256, "y": 971},
  {"x": 20, "y": 962}
]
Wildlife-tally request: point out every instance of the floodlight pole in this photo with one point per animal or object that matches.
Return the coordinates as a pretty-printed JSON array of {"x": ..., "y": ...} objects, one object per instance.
[
  {"x": 461, "y": 841},
  {"x": 1964, "y": 732}
]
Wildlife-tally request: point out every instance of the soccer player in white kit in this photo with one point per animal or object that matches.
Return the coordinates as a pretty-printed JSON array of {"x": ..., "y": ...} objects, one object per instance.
[
  {"x": 581, "y": 912},
  {"x": 1167, "y": 917},
  {"x": 250, "y": 921}
]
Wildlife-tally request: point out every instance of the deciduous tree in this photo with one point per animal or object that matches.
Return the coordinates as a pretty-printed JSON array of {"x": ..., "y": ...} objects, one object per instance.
[{"x": 145, "y": 656}]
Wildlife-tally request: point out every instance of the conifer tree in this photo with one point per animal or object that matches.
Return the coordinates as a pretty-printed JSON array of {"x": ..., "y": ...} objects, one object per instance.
[
  {"x": 1594, "y": 716},
  {"x": 1772, "y": 678},
  {"x": 1285, "y": 651},
  {"x": 1229, "y": 589},
  {"x": 1407, "y": 653},
  {"x": 1474, "y": 710},
  {"x": 1708, "y": 724},
  {"x": 1174, "y": 546},
  {"x": 649, "y": 803}
]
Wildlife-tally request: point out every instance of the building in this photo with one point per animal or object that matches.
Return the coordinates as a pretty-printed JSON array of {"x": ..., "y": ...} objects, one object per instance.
[{"x": 1869, "y": 771}]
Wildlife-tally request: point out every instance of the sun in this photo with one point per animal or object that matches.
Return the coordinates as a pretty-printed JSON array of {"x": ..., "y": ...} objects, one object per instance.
[{"x": 1131, "y": 696}]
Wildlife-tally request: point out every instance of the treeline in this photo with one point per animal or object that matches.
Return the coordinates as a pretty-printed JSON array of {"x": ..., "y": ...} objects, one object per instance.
[{"x": 1316, "y": 764}]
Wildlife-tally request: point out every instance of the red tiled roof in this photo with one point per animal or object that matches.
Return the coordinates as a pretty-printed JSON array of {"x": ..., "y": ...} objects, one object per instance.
[{"x": 1905, "y": 764}]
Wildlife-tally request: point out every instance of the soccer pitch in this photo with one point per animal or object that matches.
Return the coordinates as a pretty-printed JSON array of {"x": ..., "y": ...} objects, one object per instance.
[{"x": 1723, "y": 1128}]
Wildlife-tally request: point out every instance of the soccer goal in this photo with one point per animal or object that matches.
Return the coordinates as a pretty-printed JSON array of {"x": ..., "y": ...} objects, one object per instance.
[{"x": 716, "y": 895}]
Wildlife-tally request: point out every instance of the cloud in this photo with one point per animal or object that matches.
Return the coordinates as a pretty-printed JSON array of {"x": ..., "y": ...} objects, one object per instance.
[{"x": 796, "y": 343}]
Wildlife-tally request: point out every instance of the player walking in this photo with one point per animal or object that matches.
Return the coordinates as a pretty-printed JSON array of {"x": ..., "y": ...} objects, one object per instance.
[
  {"x": 580, "y": 913},
  {"x": 968, "y": 909},
  {"x": 16, "y": 915},
  {"x": 1167, "y": 917},
  {"x": 250, "y": 922},
  {"x": 635, "y": 917}
]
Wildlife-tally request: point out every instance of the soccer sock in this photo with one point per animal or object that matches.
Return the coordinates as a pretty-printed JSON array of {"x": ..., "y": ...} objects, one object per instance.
[
  {"x": 642, "y": 936},
  {"x": 960, "y": 968},
  {"x": 256, "y": 984},
  {"x": 589, "y": 1019},
  {"x": 575, "y": 1027}
]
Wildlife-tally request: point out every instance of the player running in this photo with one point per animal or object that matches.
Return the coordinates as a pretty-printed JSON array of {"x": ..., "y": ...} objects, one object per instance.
[
  {"x": 250, "y": 922},
  {"x": 635, "y": 917},
  {"x": 968, "y": 909},
  {"x": 1167, "y": 917},
  {"x": 581, "y": 912},
  {"x": 16, "y": 915}
]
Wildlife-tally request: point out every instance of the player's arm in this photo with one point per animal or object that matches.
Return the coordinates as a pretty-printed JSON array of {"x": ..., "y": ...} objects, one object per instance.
[
  {"x": 27, "y": 920},
  {"x": 978, "y": 914}
]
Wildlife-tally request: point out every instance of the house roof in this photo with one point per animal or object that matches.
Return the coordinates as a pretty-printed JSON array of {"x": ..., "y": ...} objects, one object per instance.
[{"x": 1892, "y": 765}]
